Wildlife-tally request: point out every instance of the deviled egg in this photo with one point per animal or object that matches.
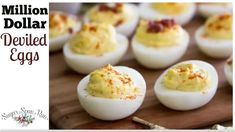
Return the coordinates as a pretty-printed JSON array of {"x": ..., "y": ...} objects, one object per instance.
[
  {"x": 94, "y": 46},
  {"x": 187, "y": 85},
  {"x": 112, "y": 93},
  {"x": 159, "y": 43},
  {"x": 210, "y": 9},
  {"x": 215, "y": 37},
  {"x": 123, "y": 16},
  {"x": 228, "y": 70},
  {"x": 182, "y": 13},
  {"x": 61, "y": 27}
]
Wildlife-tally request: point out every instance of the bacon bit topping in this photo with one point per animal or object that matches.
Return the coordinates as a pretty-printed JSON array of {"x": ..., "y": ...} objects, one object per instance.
[
  {"x": 218, "y": 27},
  {"x": 93, "y": 29},
  {"x": 89, "y": 27},
  {"x": 168, "y": 22},
  {"x": 70, "y": 30},
  {"x": 154, "y": 27},
  {"x": 110, "y": 82},
  {"x": 118, "y": 23},
  {"x": 97, "y": 46},
  {"x": 115, "y": 9},
  {"x": 119, "y": 5},
  {"x": 57, "y": 18},
  {"x": 158, "y": 26},
  {"x": 210, "y": 25},
  {"x": 225, "y": 16},
  {"x": 182, "y": 70},
  {"x": 64, "y": 17}
]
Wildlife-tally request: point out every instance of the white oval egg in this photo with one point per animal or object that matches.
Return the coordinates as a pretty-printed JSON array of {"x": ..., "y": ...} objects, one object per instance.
[
  {"x": 207, "y": 10},
  {"x": 228, "y": 71},
  {"x": 58, "y": 42},
  {"x": 148, "y": 13},
  {"x": 161, "y": 57},
  {"x": 213, "y": 47},
  {"x": 128, "y": 27},
  {"x": 87, "y": 63},
  {"x": 112, "y": 109},
  {"x": 182, "y": 100}
]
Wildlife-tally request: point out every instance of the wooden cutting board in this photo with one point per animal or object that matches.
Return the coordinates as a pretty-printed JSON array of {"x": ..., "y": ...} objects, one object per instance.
[{"x": 66, "y": 112}]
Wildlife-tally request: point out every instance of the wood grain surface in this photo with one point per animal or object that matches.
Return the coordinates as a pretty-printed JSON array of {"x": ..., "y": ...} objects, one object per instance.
[{"x": 66, "y": 112}]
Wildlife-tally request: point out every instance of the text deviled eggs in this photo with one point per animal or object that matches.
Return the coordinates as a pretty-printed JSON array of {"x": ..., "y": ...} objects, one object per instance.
[
  {"x": 228, "y": 70},
  {"x": 215, "y": 37},
  {"x": 182, "y": 13},
  {"x": 112, "y": 93},
  {"x": 123, "y": 16},
  {"x": 187, "y": 85},
  {"x": 210, "y": 9},
  {"x": 61, "y": 27},
  {"x": 94, "y": 46},
  {"x": 159, "y": 43}
]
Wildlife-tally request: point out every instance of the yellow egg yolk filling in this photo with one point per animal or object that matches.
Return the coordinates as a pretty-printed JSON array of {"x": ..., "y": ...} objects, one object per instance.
[
  {"x": 167, "y": 36},
  {"x": 171, "y": 8},
  {"x": 107, "y": 82},
  {"x": 219, "y": 27},
  {"x": 186, "y": 77},
  {"x": 94, "y": 39},
  {"x": 110, "y": 14},
  {"x": 59, "y": 24}
]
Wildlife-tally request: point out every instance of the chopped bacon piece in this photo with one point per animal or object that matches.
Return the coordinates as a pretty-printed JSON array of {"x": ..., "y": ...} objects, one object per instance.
[
  {"x": 64, "y": 17},
  {"x": 158, "y": 26},
  {"x": 104, "y": 7},
  {"x": 225, "y": 16},
  {"x": 118, "y": 23},
  {"x": 154, "y": 27},
  {"x": 168, "y": 22},
  {"x": 97, "y": 46},
  {"x": 218, "y": 27},
  {"x": 93, "y": 29},
  {"x": 70, "y": 30}
]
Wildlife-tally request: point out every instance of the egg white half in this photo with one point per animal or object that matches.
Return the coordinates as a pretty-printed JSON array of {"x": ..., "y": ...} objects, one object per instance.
[
  {"x": 129, "y": 26},
  {"x": 148, "y": 13},
  {"x": 58, "y": 42},
  {"x": 161, "y": 57},
  {"x": 112, "y": 109},
  {"x": 228, "y": 74},
  {"x": 217, "y": 48},
  {"x": 87, "y": 63},
  {"x": 180, "y": 100},
  {"x": 207, "y": 10}
]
